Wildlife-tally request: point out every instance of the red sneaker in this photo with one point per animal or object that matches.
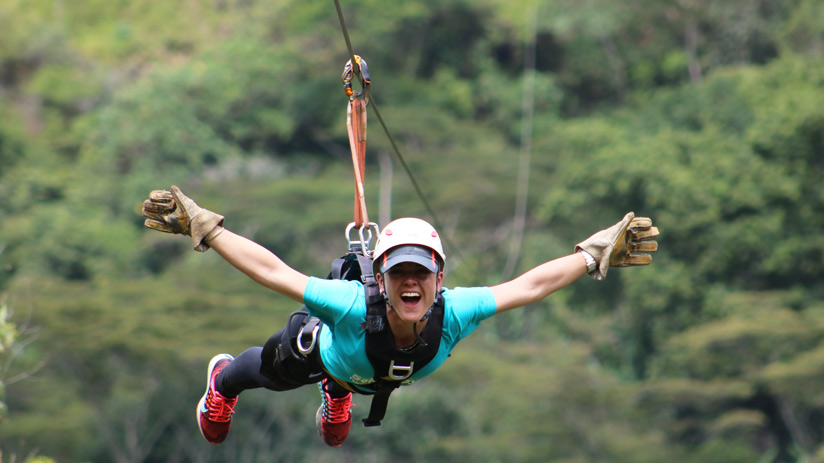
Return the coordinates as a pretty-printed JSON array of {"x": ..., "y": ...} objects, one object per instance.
[
  {"x": 334, "y": 417},
  {"x": 214, "y": 412}
]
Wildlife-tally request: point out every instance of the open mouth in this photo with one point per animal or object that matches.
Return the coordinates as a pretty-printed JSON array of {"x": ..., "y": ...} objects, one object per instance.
[{"x": 410, "y": 298}]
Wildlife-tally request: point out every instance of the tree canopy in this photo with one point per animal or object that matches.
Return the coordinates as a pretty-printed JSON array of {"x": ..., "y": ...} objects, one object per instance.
[{"x": 704, "y": 115}]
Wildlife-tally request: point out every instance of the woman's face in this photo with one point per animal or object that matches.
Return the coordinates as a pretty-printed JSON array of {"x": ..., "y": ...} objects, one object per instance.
[{"x": 411, "y": 289}]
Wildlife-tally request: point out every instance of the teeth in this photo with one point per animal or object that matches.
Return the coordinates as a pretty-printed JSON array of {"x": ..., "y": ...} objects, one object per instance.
[{"x": 410, "y": 295}]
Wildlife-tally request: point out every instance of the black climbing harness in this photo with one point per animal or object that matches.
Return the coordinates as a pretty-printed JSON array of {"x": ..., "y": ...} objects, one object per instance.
[{"x": 393, "y": 366}]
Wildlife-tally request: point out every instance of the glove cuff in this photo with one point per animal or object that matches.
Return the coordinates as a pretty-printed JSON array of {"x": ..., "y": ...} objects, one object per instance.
[
  {"x": 204, "y": 227},
  {"x": 599, "y": 253}
]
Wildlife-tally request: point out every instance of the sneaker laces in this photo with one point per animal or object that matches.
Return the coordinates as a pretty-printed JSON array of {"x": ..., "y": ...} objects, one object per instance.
[
  {"x": 336, "y": 410},
  {"x": 220, "y": 408}
]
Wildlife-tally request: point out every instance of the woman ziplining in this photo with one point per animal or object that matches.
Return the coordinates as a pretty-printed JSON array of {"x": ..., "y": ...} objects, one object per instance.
[{"x": 391, "y": 327}]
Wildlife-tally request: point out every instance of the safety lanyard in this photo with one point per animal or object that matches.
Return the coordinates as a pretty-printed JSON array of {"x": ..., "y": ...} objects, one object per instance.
[{"x": 356, "y": 127}]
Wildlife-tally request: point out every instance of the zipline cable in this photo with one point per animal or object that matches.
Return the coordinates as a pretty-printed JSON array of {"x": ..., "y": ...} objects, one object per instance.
[
  {"x": 524, "y": 162},
  {"x": 397, "y": 151}
]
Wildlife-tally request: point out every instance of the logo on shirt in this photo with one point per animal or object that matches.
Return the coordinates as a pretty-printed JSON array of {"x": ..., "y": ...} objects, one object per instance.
[{"x": 360, "y": 380}]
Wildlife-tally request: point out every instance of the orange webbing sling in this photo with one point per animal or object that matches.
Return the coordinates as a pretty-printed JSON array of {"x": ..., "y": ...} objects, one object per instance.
[{"x": 356, "y": 126}]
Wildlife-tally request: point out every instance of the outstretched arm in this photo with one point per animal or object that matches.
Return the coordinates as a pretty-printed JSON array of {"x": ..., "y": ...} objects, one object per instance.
[
  {"x": 621, "y": 245},
  {"x": 174, "y": 212},
  {"x": 260, "y": 264},
  {"x": 539, "y": 282}
]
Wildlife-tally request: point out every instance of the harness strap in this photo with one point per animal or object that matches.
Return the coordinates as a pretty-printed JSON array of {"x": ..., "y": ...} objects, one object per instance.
[
  {"x": 292, "y": 351},
  {"x": 374, "y": 321},
  {"x": 284, "y": 349},
  {"x": 377, "y": 411}
]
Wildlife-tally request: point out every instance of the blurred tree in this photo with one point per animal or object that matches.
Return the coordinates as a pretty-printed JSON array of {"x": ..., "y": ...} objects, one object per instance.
[
  {"x": 8, "y": 334},
  {"x": 703, "y": 115}
]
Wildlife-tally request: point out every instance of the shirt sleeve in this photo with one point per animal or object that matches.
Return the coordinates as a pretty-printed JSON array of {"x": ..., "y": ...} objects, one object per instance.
[
  {"x": 467, "y": 308},
  {"x": 332, "y": 300}
]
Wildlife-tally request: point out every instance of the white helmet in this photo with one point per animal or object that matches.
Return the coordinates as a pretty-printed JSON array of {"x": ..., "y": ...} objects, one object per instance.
[{"x": 408, "y": 240}]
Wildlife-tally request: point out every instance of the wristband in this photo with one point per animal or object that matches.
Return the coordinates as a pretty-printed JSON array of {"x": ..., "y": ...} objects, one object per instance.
[{"x": 590, "y": 261}]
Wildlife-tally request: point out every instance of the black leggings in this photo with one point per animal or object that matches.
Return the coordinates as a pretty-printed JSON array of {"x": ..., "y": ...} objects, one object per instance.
[{"x": 260, "y": 367}]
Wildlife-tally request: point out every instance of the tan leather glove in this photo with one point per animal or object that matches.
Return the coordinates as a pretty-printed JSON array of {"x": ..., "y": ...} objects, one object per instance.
[
  {"x": 174, "y": 212},
  {"x": 621, "y": 245}
]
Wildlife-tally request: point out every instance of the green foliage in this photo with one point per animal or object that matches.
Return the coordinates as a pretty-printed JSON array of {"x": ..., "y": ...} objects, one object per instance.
[
  {"x": 802, "y": 32},
  {"x": 703, "y": 115}
]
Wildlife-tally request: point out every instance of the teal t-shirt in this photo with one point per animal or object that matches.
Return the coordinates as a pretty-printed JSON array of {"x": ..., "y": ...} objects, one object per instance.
[{"x": 341, "y": 306}]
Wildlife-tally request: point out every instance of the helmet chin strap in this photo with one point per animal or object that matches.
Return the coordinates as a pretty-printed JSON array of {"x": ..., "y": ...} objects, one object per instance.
[
  {"x": 415, "y": 325},
  {"x": 418, "y": 339}
]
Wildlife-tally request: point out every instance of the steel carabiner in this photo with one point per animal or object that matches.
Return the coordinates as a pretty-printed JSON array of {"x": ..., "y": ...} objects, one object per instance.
[
  {"x": 349, "y": 73},
  {"x": 365, "y": 235}
]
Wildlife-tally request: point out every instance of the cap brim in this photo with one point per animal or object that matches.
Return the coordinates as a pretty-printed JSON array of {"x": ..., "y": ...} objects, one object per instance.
[{"x": 412, "y": 254}]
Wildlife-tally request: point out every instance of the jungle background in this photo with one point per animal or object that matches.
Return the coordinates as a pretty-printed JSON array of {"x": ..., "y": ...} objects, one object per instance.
[{"x": 706, "y": 115}]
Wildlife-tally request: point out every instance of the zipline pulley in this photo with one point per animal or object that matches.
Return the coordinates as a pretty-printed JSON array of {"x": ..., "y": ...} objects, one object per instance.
[{"x": 350, "y": 72}]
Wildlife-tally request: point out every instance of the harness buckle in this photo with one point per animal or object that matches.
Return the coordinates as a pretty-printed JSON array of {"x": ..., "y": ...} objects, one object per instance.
[
  {"x": 400, "y": 372},
  {"x": 311, "y": 337}
]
